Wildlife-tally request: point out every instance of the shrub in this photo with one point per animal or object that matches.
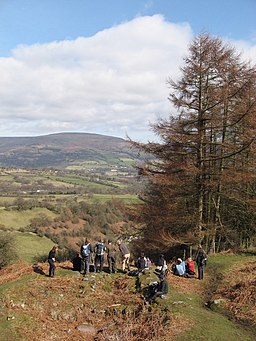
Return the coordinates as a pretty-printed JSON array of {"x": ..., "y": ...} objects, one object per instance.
[
  {"x": 7, "y": 248},
  {"x": 41, "y": 220},
  {"x": 66, "y": 254},
  {"x": 63, "y": 255}
]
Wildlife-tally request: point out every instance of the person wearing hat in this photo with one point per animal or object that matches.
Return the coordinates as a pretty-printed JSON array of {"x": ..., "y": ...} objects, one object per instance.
[
  {"x": 180, "y": 268},
  {"x": 161, "y": 289}
]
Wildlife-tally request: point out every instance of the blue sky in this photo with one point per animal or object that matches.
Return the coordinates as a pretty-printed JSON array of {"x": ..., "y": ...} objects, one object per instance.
[{"x": 101, "y": 66}]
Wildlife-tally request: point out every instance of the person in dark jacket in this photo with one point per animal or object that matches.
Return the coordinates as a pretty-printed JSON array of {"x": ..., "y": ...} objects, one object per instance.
[
  {"x": 141, "y": 262},
  {"x": 111, "y": 257},
  {"x": 201, "y": 258},
  {"x": 161, "y": 265},
  {"x": 86, "y": 251},
  {"x": 52, "y": 260},
  {"x": 77, "y": 262},
  {"x": 99, "y": 250},
  {"x": 161, "y": 289}
]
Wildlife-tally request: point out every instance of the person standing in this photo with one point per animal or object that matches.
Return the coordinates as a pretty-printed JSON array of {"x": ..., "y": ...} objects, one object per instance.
[
  {"x": 125, "y": 255},
  {"x": 52, "y": 260},
  {"x": 161, "y": 265},
  {"x": 201, "y": 258},
  {"x": 99, "y": 250},
  {"x": 86, "y": 251},
  {"x": 111, "y": 256}
]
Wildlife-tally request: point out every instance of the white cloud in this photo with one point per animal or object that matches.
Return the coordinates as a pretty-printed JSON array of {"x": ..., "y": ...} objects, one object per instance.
[
  {"x": 112, "y": 83},
  {"x": 247, "y": 49}
]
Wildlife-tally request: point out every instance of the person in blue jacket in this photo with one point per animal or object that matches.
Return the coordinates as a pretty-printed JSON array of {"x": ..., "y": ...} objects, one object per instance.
[{"x": 86, "y": 251}]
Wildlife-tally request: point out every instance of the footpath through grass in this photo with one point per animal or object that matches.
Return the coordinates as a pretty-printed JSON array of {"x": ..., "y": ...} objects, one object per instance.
[{"x": 207, "y": 324}]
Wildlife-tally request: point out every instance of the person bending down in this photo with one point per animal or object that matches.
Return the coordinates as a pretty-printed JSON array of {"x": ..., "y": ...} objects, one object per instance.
[{"x": 161, "y": 288}]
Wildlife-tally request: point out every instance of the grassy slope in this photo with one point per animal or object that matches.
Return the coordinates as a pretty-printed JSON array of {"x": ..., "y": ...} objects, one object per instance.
[
  {"x": 128, "y": 198},
  {"x": 17, "y": 219},
  {"x": 207, "y": 324},
  {"x": 185, "y": 302},
  {"x": 30, "y": 246}
]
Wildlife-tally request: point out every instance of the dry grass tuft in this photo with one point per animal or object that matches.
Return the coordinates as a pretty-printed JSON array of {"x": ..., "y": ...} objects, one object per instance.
[
  {"x": 240, "y": 291},
  {"x": 186, "y": 285},
  {"x": 14, "y": 271},
  {"x": 55, "y": 307}
]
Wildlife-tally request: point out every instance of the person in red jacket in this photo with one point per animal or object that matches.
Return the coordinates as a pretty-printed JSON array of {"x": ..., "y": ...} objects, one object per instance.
[{"x": 190, "y": 267}]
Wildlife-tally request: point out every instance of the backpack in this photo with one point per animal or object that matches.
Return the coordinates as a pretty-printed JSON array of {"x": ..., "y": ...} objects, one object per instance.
[
  {"x": 86, "y": 250},
  {"x": 99, "y": 249}
]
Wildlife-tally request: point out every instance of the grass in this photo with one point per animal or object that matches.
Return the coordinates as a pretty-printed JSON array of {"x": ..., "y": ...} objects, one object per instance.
[
  {"x": 208, "y": 324},
  {"x": 128, "y": 198},
  {"x": 184, "y": 302},
  {"x": 17, "y": 219},
  {"x": 10, "y": 321},
  {"x": 129, "y": 162},
  {"x": 30, "y": 246},
  {"x": 225, "y": 262},
  {"x": 80, "y": 181},
  {"x": 187, "y": 299}
]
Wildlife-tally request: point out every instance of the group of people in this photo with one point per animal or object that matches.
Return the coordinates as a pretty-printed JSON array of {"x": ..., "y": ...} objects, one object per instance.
[
  {"x": 88, "y": 253},
  {"x": 180, "y": 268},
  {"x": 96, "y": 255}
]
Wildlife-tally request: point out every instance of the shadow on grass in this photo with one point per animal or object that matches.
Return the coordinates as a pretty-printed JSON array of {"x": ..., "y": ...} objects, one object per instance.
[
  {"x": 38, "y": 269},
  {"x": 66, "y": 267}
]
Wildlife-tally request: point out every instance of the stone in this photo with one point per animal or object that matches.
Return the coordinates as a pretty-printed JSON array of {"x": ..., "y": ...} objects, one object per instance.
[{"x": 87, "y": 329}]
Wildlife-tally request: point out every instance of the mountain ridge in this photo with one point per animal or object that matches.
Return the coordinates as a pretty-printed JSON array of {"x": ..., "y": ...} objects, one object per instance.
[{"x": 60, "y": 149}]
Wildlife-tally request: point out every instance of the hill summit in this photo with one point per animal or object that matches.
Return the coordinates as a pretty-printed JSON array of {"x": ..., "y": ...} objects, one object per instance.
[{"x": 61, "y": 149}]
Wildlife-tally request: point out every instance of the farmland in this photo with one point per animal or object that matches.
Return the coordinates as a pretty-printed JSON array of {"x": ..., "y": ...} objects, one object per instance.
[{"x": 64, "y": 206}]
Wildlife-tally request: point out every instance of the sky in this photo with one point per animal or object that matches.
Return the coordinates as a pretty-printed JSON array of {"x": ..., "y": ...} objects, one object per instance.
[{"x": 101, "y": 66}]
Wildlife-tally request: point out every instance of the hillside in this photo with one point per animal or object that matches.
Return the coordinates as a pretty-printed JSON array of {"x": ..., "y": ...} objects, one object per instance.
[
  {"x": 108, "y": 307},
  {"x": 60, "y": 150}
]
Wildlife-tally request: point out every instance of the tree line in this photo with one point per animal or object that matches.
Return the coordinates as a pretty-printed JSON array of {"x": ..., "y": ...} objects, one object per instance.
[{"x": 201, "y": 179}]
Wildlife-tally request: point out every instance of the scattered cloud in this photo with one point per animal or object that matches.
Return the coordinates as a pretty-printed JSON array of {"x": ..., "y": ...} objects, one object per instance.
[{"x": 112, "y": 83}]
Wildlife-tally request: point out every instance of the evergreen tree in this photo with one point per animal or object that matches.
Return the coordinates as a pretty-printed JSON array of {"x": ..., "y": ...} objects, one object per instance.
[{"x": 204, "y": 164}]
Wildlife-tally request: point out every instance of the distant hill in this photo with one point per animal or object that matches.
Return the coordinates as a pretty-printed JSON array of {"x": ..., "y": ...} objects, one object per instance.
[{"x": 62, "y": 149}]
